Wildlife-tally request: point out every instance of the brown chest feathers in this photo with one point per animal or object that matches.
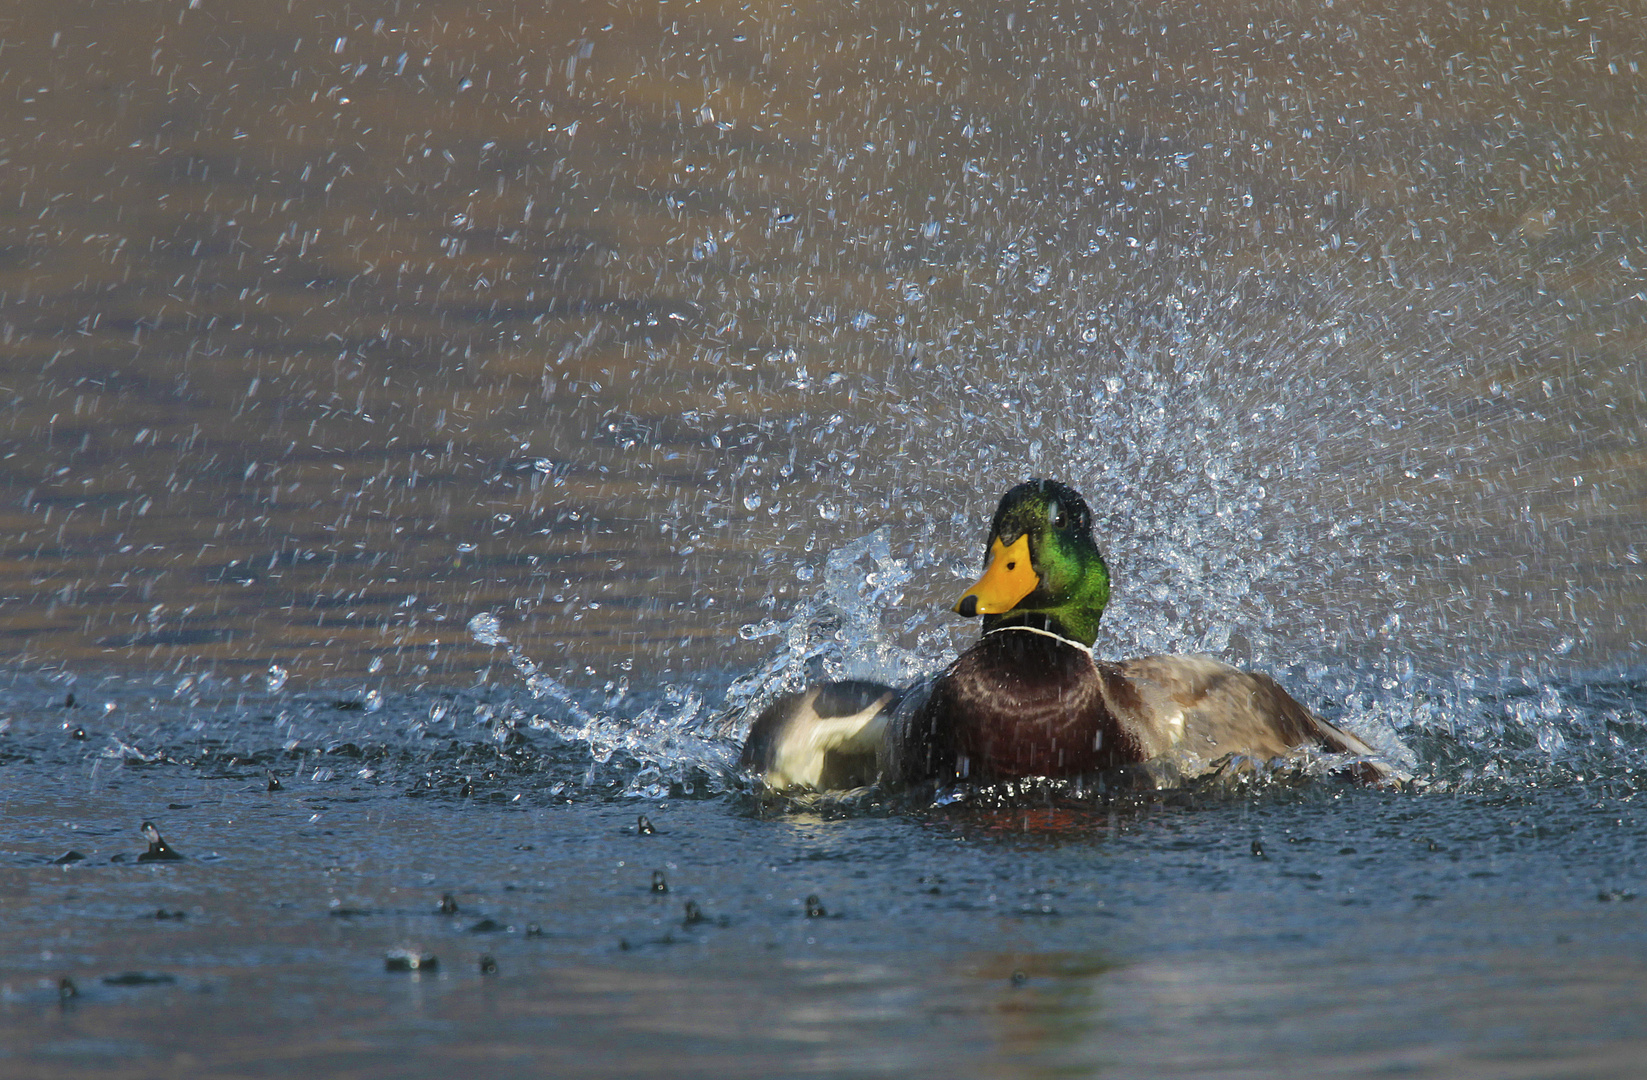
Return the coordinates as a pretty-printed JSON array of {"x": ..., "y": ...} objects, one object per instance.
[{"x": 1020, "y": 704}]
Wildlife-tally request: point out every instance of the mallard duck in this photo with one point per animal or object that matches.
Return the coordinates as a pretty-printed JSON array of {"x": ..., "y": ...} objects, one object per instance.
[{"x": 1030, "y": 699}]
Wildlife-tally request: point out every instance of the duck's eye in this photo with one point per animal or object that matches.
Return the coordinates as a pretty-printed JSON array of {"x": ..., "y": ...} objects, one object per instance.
[{"x": 1055, "y": 514}]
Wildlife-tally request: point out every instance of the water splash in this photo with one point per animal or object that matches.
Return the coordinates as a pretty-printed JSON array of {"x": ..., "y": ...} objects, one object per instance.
[
  {"x": 678, "y": 741},
  {"x": 840, "y": 633},
  {"x": 671, "y": 745}
]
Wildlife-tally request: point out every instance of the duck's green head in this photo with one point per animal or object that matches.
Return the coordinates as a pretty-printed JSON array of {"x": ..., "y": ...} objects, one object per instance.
[{"x": 1042, "y": 566}]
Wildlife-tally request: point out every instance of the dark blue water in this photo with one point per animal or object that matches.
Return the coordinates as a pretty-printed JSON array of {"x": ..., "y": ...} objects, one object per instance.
[{"x": 1486, "y": 924}]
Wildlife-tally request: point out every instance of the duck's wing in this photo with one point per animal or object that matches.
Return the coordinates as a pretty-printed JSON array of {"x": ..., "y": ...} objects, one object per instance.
[
  {"x": 1195, "y": 710},
  {"x": 825, "y": 737}
]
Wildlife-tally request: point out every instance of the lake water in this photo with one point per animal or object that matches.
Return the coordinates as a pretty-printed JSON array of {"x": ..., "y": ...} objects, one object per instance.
[{"x": 463, "y": 413}]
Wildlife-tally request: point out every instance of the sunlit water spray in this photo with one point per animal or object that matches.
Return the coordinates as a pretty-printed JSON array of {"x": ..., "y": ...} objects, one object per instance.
[{"x": 1231, "y": 468}]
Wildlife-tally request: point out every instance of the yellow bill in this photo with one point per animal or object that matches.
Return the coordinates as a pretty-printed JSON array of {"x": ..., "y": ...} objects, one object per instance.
[{"x": 1007, "y": 579}]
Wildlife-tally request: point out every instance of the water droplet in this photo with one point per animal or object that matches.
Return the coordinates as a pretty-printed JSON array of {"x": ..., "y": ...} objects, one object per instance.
[
  {"x": 409, "y": 959},
  {"x": 485, "y": 630},
  {"x": 159, "y": 850}
]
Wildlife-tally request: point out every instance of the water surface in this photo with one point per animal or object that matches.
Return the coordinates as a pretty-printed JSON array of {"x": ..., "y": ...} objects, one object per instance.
[{"x": 689, "y": 346}]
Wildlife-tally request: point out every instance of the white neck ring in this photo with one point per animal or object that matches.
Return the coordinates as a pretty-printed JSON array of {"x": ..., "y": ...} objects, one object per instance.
[{"x": 1071, "y": 642}]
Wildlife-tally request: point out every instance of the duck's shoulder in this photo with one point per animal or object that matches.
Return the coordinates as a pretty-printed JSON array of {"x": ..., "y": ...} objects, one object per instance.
[{"x": 1204, "y": 706}]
